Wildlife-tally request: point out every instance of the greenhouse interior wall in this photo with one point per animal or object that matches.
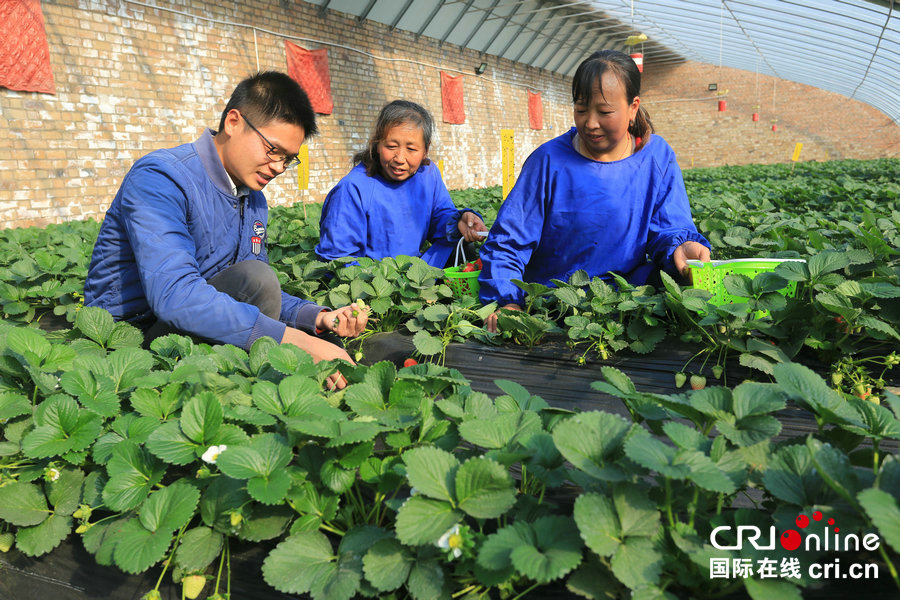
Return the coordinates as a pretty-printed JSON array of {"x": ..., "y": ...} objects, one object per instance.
[{"x": 132, "y": 77}]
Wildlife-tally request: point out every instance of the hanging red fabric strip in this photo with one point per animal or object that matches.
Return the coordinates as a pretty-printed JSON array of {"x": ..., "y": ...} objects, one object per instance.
[
  {"x": 535, "y": 111},
  {"x": 452, "y": 98},
  {"x": 309, "y": 68},
  {"x": 24, "y": 54}
]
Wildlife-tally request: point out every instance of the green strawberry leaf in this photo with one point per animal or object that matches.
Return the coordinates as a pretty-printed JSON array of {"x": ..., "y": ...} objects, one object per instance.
[
  {"x": 132, "y": 474},
  {"x": 171, "y": 445},
  {"x": 266, "y": 454},
  {"x": 297, "y": 563},
  {"x": 138, "y": 549},
  {"x": 42, "y": 538},
  {"x": 199, "y": 546},
  {"x": 556, "y": 550},
  {"x": 432, "y": 471},
  {"x": 23, "y": 504},
  {"x": 592, "y": 442},
  {"x": 387, "y": 564},
  {"x": 64, "y": 494},
  {"x": 201, "y": 418},
  {"x": 170, "y": 508},
  {"x": 423, "y": 520},
  {"x": 484, "y": 488}
]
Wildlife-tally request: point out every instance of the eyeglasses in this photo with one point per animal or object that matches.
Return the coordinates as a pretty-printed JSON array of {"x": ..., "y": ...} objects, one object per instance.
[{"x": 272, "y": 151}]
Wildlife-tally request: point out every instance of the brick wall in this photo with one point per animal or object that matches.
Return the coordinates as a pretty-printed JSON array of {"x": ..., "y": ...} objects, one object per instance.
[{"x": 131, "y": 79}]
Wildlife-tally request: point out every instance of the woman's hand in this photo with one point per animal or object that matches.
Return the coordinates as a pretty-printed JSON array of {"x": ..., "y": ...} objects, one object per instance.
[
  {"x": 469, "y": 225},
  {"x": 491, "y": 322},
  {"x": 342, "y": 320},
  {"x": 319, "y": 349},
  {"x": 689, "y": 251}
]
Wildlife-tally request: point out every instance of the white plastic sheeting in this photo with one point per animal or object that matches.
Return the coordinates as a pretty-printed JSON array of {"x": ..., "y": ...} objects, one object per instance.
[{"x": 851, "y": 47}]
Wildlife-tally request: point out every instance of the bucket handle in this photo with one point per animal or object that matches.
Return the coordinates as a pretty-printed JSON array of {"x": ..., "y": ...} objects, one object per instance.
[{"x": 460, "y": 256}]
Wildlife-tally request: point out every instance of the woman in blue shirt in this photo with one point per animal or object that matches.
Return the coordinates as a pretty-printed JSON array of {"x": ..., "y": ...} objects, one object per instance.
[
  {"x": 394, "y": 198},
  {"x": 607, "y": 195}
]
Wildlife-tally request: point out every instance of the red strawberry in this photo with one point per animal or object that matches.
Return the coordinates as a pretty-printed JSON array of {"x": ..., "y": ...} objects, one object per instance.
[
  {"x": 469, "y": 268},
  {"x": 478, "y": 263},
  {"x": 410, "y": 362}
]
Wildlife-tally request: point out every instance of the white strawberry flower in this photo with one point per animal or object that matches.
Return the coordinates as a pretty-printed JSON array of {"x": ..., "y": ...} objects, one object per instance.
[
  {"x": 212, "y": 453},
  {"x": 451, "y": 541}
]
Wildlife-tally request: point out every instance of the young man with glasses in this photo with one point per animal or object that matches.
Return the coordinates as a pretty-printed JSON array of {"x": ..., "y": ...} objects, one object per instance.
[{"x": 182, "y": 247}]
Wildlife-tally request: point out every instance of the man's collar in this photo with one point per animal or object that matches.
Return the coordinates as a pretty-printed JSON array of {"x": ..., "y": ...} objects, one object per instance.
[{"x": 209, "y": 157}]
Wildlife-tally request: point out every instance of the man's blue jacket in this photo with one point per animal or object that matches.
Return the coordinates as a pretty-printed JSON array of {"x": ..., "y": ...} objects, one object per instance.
[{"x": 175, "y": 223}]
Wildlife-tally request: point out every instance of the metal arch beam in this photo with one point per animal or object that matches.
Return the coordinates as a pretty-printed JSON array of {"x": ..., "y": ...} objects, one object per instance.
[
  {"x": 324, "y": 6},
  {"x": 559, "y": 46},
  {"x": 366, "y": 11},
  {"x": 480, "y": 23},
  {"x": 554, "y": 7},
  {"x": 759, "y": 52},
  {"x": 578, "y": 59},
  {"x": 400, "y": 15},
  {"x": 649, "y": 20},
  {"x": 812, "y": 50},
  {"x": 499, "y": 31},
  {"x": 459, "y": 17},
  {"x": 512, "y": 39},
  {"x": 561, "y": 50},
  {"x": 615, "y": 26},
  {"x": 549, "y": 39},
  {"x": 525, "y": 47},
  {"x": 504, "y": 5},
  {"x": 430, "y": 18}
]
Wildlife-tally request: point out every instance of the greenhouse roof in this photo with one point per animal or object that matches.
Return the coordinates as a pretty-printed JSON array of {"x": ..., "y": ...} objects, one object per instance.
[{"x": 851, "y": 47}]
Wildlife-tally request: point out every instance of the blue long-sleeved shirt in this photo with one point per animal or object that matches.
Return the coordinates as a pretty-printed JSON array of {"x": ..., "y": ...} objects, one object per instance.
[
  {"x": 173, "y": 224},
  {"x": 567, "y": 212},
  {"x": 377, "y": 218}
]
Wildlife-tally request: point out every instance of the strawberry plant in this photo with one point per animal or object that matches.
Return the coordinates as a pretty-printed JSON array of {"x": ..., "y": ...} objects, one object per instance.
[
  {"x": 437, "y": 325},
  {"x": 408, "y": 482}
]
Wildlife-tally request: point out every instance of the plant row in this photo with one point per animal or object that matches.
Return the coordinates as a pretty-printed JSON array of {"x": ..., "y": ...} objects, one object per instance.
[{"x": 409, "y": 484}]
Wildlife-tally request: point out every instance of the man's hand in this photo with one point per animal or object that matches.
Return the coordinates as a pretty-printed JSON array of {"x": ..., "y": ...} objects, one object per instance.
[
  {"x": 469, "y": 225},
  {"x": 319, "y": 349},
  {"x": 689, "y": 251},
  {"x": 342, "y": 320},
  {"x": 491, "y": 322}
]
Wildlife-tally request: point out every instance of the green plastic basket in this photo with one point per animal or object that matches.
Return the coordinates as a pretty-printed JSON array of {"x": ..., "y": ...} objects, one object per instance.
[
  {"x": 462, "y": 284},
  {"x": 710, "y": 276}
]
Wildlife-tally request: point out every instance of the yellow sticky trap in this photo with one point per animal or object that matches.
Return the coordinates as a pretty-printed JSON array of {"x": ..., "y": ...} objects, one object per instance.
[
  {"x": 303, "y": 168},
  {"x": 797, "y": 150},
  {"x": 634, "y": 40},
  {"x": 508, "y": 152},
  {"x": 440, "y": 165}
]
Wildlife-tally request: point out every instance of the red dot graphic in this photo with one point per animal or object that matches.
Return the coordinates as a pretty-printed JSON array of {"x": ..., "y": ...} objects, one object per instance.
[
  {"x": 817, "y": 516},
  {"x": 836, "y": 529},
  {"x": 831, "y": 521},
  {"x": 790, "y": 540},
  {"x": 802, "y": 521}
]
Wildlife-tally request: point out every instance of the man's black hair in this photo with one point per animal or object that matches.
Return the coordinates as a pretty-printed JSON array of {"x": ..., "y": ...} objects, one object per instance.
[{"x": 272, "y": 96}]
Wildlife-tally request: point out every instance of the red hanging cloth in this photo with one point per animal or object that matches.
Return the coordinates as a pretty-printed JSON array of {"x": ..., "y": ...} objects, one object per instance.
[
  {"x": 309, "y": 68},
  {"x": 535, "y": 111},
  {"x": 24, "y": 54},
  {"x": 452, "y": 98}
]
